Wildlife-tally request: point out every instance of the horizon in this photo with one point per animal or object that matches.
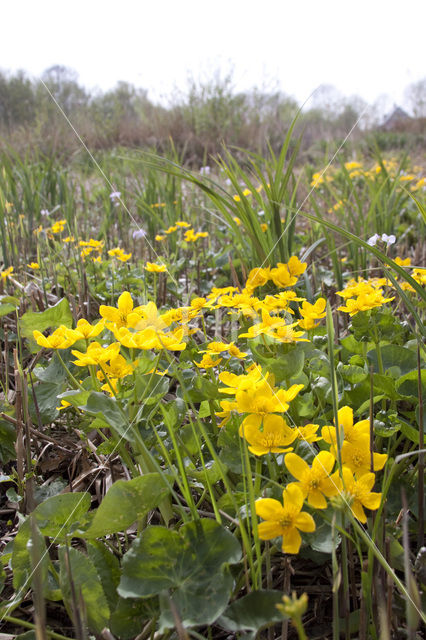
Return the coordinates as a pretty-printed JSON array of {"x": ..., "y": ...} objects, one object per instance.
[{"x": 373, "y": 52}]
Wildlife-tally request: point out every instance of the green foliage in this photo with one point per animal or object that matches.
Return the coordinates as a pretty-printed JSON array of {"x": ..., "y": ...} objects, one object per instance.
[{"x": 192, "y": 562}]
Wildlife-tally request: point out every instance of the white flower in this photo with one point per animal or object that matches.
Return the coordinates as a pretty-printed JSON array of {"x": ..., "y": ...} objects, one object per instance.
[
  {"x": 372, "y": 241},
  {"x": 114, "y": 195},
  {"x": 388, "y": 239},
  {"x": 261, "y": 213},
  {"x": 205, "y": 171},
  {"x": 138, "y": 234},
  {"x": 44, "y": 212}
]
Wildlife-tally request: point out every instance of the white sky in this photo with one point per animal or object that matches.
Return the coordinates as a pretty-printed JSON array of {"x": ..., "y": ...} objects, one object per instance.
[{"x": 367, "y": 47}]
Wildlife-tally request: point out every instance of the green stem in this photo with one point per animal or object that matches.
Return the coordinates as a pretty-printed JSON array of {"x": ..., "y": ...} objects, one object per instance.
[
  {"x": 75, "y": 382},
  {"x": 29, "y": 625}
]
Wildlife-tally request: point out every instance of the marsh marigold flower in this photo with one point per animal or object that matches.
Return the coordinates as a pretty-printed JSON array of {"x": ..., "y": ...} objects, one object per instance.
[
  {"x": 155, "y": 268},
  {"x": 315, "y": 481},
  {"x": 270, "y": 435},
  {"x": 358, "y": 493},
  {"x": 284, "y": 519},
  {"x": 57, "y": 340}
]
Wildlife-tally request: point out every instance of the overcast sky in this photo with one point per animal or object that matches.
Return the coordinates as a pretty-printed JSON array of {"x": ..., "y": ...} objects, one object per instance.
[{"x": 367, "y": 47}]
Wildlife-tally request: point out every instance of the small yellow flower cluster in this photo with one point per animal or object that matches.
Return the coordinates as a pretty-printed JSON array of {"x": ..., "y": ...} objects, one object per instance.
[
  {"x": 191, "y": 236},
  {"x": 119, "y": 254},
  {"x": 155, "y": 268},
  {"x": 317, "y": 482},
  {"x": 320, "y": 178},
  {"x": 58, "y": 227},
  {"x": 6, "y": 273},
  {"x": 363, "y": 295},
  {"x": 215, "y": 349},
  {"x": 247, "y": 192}
]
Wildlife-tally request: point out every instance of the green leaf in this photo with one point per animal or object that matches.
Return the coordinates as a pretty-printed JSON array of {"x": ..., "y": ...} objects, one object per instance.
[
  {"x": 46, "y": 394},
  {"x": 105, "y": 408},
  {"x": 7, "y": 442},
  {"x": 7, "y": 308},
  {"x": 107, "y": 568},
  {"x": 192, "y": 561},
  {"x": 57, "y": 515},
  {"x": 22, "y": 562},
  {"x": 87, "y": 585},
  {"x": 51, "y": 317},
  {"x": 352, "y": 373},
  {"x": 393, "y": 356},
  {"x": 54, "y": 372},
  {"x": 287, "y": 366},
  {"x": 128, "y": 618},
  {"x": 126, "y": 502},
  {"x": 408, "y": 384},
  {"x": 253, "y": 611}
]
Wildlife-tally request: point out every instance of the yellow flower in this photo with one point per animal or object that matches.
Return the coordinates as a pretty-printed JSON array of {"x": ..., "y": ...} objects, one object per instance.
[
  {"x": 117, "y": 368},
  {"x": 124, "y": 315},
  {"x": 311, "y": 312},
  {"x": 270, "y": 435},
  {"x": 155, "y": 268},
  {"x": 349, "y": 431},
  {"x": 284, "y": 519},
  {"x": 85, "y": 330},
  {"x": 358, "y": 493},
  {"x": 235, "y": 352},
  {"x": 58, "y": 226},
  {"x": 237, "y": 383},
  {"x": 257, "y": 278},
  {"x": 295, "y": 267},
  {"x": 64, "y": 405},
  {"x": 159, "y": 237},
  {"x": 281, "y": 276},
  {"x": 207, "y": 362},
  {"x": 357, "y": 456},
  {"x": 406, "y": 262},
  {"x": 182, "y": 224},
  {"x": 57, "y": 340},
  {"x": 349, "y": 166},
  {"x": 33, "y": 265},
  {"x": 170, "y": 229},
  {"x": 227, "y": 408},
  {"x": 119, "y": 254},
  {"x": 7, "y": 272},
  {"x": 95, "y": 354},
  {"x": 314, "y": 482},
  {"x": 308, "y": 433},
  {"x": 364, "y": 302},
  {"x": 262, "y": 398},
  {"x": 216, "y": 348}
]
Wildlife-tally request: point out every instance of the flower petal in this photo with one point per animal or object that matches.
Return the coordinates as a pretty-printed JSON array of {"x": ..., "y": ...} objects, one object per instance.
[
  {"x": 304, "y": 522},
  {"x": 296, "y": 465},
  {"x": 268, "y": 530},
  {"x": 291, "y": 540},
  {"x": 269, "y": 509},
  {"x": 293, "y": 498}
]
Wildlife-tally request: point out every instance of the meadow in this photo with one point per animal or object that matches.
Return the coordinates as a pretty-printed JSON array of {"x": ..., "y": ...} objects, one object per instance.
[{"x": 213, "y": 382}]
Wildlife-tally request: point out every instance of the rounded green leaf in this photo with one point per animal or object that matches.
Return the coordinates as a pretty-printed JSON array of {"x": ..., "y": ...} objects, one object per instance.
[
  {"x": 126, "y": 502},
  {"x": 192, "y": 562}
]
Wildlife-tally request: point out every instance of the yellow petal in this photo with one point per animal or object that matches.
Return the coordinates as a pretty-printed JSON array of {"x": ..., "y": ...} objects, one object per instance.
[
  {"x": 268, "y": 530},
  {"x": 346, "y": 418},
  {"x": 291, "y": 540},
  {"x": 293, "y": 497},
  {"x": 305, "y": 522},
  {"x": 296, "y": 465},
  {"x": 269, "y": 509}
]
